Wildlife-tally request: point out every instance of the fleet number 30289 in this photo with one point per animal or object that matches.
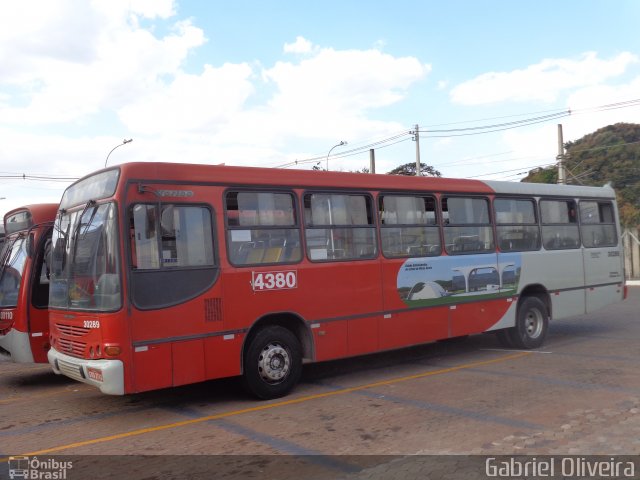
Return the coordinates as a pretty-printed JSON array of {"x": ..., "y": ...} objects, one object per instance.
[{"x": 91, "y": 324}]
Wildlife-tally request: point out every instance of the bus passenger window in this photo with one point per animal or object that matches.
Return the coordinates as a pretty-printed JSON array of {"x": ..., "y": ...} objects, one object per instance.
[
  {"x": 262, "y": 228},
  {"x": 597, "y": 224},
  {"x": 559, "y": 224},
  {"x": 467, "y": 226},
  {"x": 409, "y": 226},
  {"x": 339, "y": 227},
  {"x": 516, "y": 225}
]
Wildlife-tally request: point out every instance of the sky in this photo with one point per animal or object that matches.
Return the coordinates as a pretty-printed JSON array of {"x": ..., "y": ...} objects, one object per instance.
[{"x": 282, "y": 84}]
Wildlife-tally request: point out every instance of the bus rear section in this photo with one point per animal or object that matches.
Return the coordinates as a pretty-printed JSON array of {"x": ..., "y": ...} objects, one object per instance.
[{"x": 24, "y": 283}]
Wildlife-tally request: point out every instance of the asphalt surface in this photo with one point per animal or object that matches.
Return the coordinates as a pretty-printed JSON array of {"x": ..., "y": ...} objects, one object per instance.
[{"x": 434, "y": 411}]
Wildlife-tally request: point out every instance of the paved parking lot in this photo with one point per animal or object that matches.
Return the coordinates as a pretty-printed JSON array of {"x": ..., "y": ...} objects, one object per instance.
[{"x": 356, "y": 418}]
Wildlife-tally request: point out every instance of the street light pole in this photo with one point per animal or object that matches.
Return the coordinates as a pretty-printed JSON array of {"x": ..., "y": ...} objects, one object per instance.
[
  {"x": 342, "y": 142},
  {"x": 124, "y": 142}
]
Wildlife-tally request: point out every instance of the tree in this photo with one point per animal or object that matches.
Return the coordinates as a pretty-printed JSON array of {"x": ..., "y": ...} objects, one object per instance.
[{"x": 409, "y": 169}]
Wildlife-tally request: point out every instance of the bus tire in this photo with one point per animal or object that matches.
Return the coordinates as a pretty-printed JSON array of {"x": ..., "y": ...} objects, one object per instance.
[
  {"x": 532, "y": 324},
  {"x": 272, "y": 363}
]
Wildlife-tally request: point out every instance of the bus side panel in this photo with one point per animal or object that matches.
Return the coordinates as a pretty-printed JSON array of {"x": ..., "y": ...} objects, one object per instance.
[
  {"x": 188, "y": 362},
  {"x": 345, "y": 297},
  {"x": 363, "y": 335},
  {"x": 222, "y": 355},
  {"x": 561, "y": 273},
  {"x": 477, "y": 317},
  {"x": 330, "y": 340},
  {"x": 413, "y": 327},
  {"x": 602, "y": 266},
  {"x": 403, "y": 327},
  {"x": 152, "y": 367},
  {"x": 341, "y": 301}
]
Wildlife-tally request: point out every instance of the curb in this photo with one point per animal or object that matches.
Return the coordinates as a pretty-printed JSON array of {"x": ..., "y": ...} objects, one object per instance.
[{"x": 633, "y": 283}]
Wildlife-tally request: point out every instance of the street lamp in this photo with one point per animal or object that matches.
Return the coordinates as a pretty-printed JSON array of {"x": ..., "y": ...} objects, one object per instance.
[
  {"x": 342, "y": 142},
  {"x": 124, "y": 142}
]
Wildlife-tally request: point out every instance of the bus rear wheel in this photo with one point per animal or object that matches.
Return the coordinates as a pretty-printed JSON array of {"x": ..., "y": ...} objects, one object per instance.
[
  {"x": 531, "y": 325},
  {"x": 272, "y": 363}
]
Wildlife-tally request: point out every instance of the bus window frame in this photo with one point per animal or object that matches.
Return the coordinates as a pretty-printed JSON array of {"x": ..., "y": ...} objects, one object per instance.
[
  {"x": 133, "y": 272},
  {"x": 374, "y": 224},
  {"x": 536, "y": 214},
  {"x": 216, "y": 259},
  {"x": 437, "y": 225},
  {"x": 611, "y": 204},
  {"x": 567, "y": 199},
  {"x": 298, "y": 224},
  {"x": 491, "y": 223}
]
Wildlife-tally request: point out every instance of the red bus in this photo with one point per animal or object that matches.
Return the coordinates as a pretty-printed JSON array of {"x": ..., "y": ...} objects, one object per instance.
[
  {"x": 167, "y": 274},
  {"x": 24, "y": 283}
]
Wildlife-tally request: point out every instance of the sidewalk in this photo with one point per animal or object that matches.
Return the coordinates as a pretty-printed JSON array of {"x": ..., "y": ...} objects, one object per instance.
[{"x": 633, "y": 283}]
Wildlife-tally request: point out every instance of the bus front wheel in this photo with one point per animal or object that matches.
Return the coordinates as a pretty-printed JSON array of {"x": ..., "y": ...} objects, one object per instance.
[
  {"x": 531, "y": 325},
  {"x": 272, "y": 363}
]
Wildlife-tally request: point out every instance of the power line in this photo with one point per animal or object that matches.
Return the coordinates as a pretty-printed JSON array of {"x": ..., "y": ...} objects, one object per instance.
[
  {"x": 513, "y": 170},
  {"x": 476, "y": 130},
  {"x": 518, "y": 123},
  {"x": 40, "y": 178}
]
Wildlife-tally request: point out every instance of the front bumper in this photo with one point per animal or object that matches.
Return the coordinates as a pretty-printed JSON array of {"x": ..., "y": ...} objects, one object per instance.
[{"x": 107, "y": 375}]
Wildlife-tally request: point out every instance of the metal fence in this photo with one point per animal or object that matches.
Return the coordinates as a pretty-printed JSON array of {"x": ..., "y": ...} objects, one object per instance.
[{"x": 631, "y": 246}]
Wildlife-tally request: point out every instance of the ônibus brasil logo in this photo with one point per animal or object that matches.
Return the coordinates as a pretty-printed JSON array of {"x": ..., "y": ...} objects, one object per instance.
[{"x": 32, "y": 468}]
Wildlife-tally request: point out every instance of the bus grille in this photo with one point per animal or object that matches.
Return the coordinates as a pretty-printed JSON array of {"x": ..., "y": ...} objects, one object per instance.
[
  {"x": 71, "y": 347},
  {"x": 70, "y": 370},
  {"x": 213, "y": 310},
  {"x": 72, "y": 330}
]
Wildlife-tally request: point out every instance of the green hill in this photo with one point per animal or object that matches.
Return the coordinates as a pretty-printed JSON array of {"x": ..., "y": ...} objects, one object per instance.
[{"x": 610, "y": 154}]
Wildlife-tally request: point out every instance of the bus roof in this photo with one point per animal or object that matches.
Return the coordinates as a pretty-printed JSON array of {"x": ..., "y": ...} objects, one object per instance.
[
  {"x": 292, "y": 178},
  {"x": 39, "y": 213},
  {"x": 547, "y": 189}
]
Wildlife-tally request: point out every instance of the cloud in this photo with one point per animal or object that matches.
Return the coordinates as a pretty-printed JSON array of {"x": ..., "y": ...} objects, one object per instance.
[
  {"x": 326, "y": 94},
  {"x": 349, "y": 79},
  {"x": 301, "y": 45},
  {"x": 78, "y": 59},
  {"x": 129, "y": 81},
  {"x": 190, "y": 103},
  {"x": 539, "y": 145},
  {"x": 544, "y": 81}
]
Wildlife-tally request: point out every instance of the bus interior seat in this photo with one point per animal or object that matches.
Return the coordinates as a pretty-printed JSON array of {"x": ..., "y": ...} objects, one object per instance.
[
  {"x": 272, "y": 255},
  {"x": 255, "y": 255}
]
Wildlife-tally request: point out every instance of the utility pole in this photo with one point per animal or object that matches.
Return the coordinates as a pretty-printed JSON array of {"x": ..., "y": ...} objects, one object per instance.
[
  {"x": 562, "y": 177},
  {"x": 416, "y": 138},
  {"x": 372, "y": 161}
]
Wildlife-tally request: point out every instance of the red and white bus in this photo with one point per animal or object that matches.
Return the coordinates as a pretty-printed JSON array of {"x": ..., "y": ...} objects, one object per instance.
[
  {"x": 167, "y": 274},
  {"x": 24, "y": 283}
]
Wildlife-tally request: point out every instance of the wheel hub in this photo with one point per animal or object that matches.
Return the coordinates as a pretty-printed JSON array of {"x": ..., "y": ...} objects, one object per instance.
[
  {"x": 274, "y": 363},
  {"x": 534, "y": 323}
]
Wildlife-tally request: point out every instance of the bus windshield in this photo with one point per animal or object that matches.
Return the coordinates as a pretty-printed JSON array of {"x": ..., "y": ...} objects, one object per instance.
[
  {"x": 11, "y": 270},
  {"x": 85, "y": 272}
]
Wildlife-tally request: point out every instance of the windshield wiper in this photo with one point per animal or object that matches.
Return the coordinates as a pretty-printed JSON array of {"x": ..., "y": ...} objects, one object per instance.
[
  {"x": 88, "y": 224},
  {"x": 76, "y": 230}
]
